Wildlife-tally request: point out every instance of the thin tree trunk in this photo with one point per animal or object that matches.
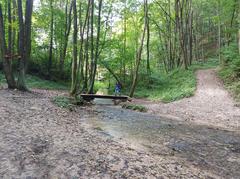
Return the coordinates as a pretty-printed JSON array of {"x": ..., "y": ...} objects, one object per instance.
[
  {"x": 139, "y": 54},
  {"x": 92, "y": 45},
  {"x": 97, "y": 47},
  {"x": 74, "y": 61},
  {"x": 219, "y": 31},
  {"x": 51, "y": 42},
  {"x": 148, "y": 41},
  {"x": 239, "y": 27},
  {"x": 80, "y": 71},
  {"x": 68, "y": 22}
]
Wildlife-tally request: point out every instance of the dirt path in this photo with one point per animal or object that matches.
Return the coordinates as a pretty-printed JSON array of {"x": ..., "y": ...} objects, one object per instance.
[
  {"x": 211, "y": 104},
  {"x": 39, "y": 140}
]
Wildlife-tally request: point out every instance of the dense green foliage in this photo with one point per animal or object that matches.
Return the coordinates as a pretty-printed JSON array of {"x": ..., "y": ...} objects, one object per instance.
[
  {"x": 62, "y": 102},
  {"x": 152, "y": 48},
  {"x": 230, "y": 70}
]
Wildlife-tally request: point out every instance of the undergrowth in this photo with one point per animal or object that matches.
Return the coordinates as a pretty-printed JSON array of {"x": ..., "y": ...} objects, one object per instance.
[
  {"x": 229, "y": 70},
  {"x": 62, "y": 101},
  {"x": 36, "y": 82},
  {"x": 173, "y": 86},
  {"x": 67, "y": 102},
  {"x": 133, "y": 107}
]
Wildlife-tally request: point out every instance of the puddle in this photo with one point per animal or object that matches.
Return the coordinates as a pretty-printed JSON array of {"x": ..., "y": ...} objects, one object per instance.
[{"x": 207, "y": 148}]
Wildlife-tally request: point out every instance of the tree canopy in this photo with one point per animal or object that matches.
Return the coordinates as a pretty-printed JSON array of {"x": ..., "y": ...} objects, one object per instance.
[{"x": 130, "y": 42}]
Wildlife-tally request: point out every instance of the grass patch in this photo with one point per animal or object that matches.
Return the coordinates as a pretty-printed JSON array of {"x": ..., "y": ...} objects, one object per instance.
[
  {"x": 35, "y": 82},
  {"x": 62, "y": 101},
  {"x": 67, "y": 102},
  {"x": 210, "y": 63},
  {"x": 174, "y": 86},
  {"x": 2, "y": 79},
  {"x": 133, "y": 107}
]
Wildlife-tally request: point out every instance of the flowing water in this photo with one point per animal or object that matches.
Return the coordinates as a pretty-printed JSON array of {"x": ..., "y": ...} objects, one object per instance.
[{"x": 214, "y": 150}]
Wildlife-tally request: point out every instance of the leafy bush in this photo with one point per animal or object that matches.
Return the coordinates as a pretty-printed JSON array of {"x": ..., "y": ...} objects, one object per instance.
[
  {"x": 39, "y": 66},
  {"x": 62, "y": 101},
  {"x": 232, "y": 60},
  {"x": 67, "y": 102},
  {"x": 230, "y": 70},
  {"x": 2, "y": 78}
]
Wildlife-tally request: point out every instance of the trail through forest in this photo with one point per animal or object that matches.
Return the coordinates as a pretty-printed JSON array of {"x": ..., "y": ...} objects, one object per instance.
[
  {"x": 38, "y": 139},
  {"x": 211, "y": 105}
]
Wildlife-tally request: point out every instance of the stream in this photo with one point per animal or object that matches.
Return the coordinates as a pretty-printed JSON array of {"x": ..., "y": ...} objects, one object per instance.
[{"x": 204, "y": 147}]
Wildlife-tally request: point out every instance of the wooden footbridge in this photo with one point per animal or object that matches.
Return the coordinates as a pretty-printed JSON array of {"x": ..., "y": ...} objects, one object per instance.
[{"x": 90, "y": 97}]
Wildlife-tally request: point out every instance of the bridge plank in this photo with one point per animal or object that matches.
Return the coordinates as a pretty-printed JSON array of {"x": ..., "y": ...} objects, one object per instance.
[{"x": 93, "y": 96}]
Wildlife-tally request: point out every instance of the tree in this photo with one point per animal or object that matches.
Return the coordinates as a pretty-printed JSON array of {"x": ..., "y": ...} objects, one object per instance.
[
  {"x": 139, "y": 54},
  {"x": 74, "y": 61},
  {"x": 6, "y": 55},
  {"x": 51, "y": 41},
  {"x": 24, "y": 41},
  {"x": 239, "y": 27},
  {"x": 95, "y": 60},
  {"x": 67, "y": 29}
]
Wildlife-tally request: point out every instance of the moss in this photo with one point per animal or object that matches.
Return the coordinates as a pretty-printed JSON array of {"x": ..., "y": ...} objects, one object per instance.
[
  {"x": 135, "y": 107},
  {"x": 62, "y": 101}
]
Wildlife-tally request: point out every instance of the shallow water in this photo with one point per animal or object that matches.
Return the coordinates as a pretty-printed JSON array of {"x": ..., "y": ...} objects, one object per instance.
[{"x": 215, "y": 150}]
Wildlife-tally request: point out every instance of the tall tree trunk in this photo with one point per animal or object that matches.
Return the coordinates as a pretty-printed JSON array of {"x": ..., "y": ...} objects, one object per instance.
[
  {"x": 50, "y": 60},
  {"x": 24, "y": 41},
  {"x": 68, "y": 22},
  {"x": 85, "y": 86},
  {"x": 74, "y": 61},
  {"x": 10, "y": 31},
  {"x": 28, "y": 30},
  {"x": 239, "y": 41},
  {"x": 219, "y": 31},
  {"x": 14, "y": 29},
  {"x": 80, "y": 70},
  {"x": 125, "y": 42},
  {"x": 239, "y": 27},
  {"x": 6, "y": 63},
  {"x": 21, "y": 84},
  {"x": 95, "y": 62},
  {"x": 139, "y": 54},
  {"x": 92, "y": 46},
  {"x": 148, "y": 41}
]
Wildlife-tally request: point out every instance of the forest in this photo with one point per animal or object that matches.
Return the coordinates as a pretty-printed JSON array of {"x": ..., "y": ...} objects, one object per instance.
[
  {"x": 139, "y": 44},
  {"x": 120, "y": 89}
]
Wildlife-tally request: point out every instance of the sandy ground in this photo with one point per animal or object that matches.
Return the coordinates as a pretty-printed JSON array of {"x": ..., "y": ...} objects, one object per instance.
[
  {"x": 39, "y": 140},
  {"x": 211, "y": 105}
]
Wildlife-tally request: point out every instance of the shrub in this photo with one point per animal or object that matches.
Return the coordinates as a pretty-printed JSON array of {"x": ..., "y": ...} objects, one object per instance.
[{"x": 135, "y": 107}]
